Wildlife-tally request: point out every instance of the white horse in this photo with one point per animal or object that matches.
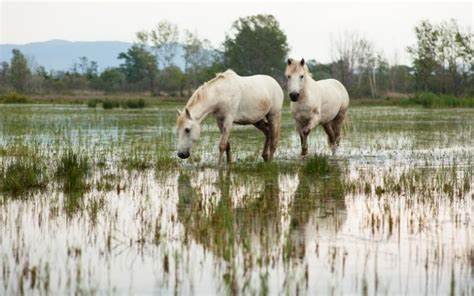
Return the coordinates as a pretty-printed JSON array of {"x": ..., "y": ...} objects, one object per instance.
[
  {"x": 233, "y": 99},
  {"x": 322, "y": 102}
]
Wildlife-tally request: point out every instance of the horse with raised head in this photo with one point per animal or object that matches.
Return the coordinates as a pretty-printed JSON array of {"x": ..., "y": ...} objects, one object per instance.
[
  {"x": 232, "y": 99},
  {"x": 324, "y": 102}
]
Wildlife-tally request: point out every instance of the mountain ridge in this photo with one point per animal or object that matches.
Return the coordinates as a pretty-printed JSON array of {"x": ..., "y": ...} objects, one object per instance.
[{"x": 60, "y": 54}]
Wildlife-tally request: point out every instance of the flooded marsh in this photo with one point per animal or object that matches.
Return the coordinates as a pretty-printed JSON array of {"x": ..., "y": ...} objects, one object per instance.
[{"x": 95, "y": 201}]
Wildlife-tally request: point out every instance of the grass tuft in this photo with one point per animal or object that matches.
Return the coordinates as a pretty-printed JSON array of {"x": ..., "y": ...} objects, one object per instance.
[
  {"x": 22, "y": 175},
  {"x": 317, "y": 165},
  {"x": 73, "y": 169}
]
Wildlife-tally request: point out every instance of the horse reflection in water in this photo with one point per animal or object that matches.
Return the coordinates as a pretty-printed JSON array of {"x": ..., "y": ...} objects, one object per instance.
[{"x": 260, "y": 222}]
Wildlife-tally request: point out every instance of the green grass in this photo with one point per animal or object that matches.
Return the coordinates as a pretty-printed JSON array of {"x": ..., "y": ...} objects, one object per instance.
[
  {"x": 431, "y": 100},
  {"x": 22, "y": 175},
  {"x": 136, "y": 161}
]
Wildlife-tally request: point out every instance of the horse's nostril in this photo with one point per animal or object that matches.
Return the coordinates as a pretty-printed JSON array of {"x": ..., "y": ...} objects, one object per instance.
[
  {"x": 183, "y": 155},
  {"x": 294, "y": 96}
]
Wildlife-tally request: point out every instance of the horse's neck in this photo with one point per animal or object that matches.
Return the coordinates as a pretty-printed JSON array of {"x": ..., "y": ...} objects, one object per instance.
[
  {"x": 310, "y": 91},
  {"x": 202, "y": 108}
]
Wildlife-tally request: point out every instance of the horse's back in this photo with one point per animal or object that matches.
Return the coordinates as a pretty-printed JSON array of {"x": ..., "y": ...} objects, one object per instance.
[
  {"x": 334, "y": 98},
  {"x": 260, "y": 95}
]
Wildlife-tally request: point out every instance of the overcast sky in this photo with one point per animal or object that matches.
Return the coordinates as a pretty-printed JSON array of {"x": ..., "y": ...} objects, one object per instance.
[{"x": 309, "y": 26}]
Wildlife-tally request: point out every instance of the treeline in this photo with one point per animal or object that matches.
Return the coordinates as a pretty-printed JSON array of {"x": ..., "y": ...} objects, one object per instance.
[{"x": 442, "y": 62}]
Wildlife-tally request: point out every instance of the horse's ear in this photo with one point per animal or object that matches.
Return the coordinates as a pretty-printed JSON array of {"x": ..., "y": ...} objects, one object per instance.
[
  {"x": 288, "y": 61},
  {"x": 179, "y": 112},
  {"x": 188, "y": 115},
  {"x": 302, "y": 62}
]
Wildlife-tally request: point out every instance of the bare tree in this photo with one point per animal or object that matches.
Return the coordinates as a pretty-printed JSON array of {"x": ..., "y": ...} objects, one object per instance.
[
  {"x": 346, "y": 51},
  {"x": 164, "y": 39}
]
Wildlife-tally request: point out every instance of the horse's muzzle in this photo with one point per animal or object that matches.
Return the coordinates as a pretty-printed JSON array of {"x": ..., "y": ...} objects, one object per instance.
[
  {"x": 183, "y": 155},
  {"x": 294, "y": 96}
]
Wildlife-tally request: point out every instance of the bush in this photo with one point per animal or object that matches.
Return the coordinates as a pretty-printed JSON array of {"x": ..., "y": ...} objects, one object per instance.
[
  {"x": 134, "y": 104},
  {"x": 431, "y": 100},
  {"x": 109, "y": 104},
  {"x": 14, "y": 98},
  {"x": 92, "y": 103}
]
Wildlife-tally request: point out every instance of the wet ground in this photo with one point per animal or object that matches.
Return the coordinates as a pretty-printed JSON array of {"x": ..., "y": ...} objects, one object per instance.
[{"x": 108, "y": 208}]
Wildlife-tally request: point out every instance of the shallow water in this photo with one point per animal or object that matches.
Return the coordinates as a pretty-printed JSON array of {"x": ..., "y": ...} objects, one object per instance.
[{"x": 391, "y": 214}]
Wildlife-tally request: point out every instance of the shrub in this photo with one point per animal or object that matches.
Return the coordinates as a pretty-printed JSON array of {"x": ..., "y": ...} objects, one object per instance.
[
  {"x": 92, "y": 103},
  {"x": 109, "y": 104},
  {"x": 13, "y": 98},
  {"x": 134, "y": 104},
  {"x": 431, "y": 100}
]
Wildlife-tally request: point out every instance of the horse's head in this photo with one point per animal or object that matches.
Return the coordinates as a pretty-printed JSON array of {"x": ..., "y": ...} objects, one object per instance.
[
  {"x": 188, "y": 130},
  {"x": 296, "y": 74}
]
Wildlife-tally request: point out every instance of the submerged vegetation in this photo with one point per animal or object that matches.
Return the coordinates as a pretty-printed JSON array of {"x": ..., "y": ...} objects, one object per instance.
[{"x": 100, "y": 189}]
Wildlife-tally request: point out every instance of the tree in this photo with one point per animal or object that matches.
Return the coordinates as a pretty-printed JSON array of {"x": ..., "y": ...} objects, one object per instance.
[
  {"x": 172, "y": 79},
  {"x": 256, "y": 45},
  {"x": 4, "y": 69},
  {"x": 164, "y": 39},
  {"x": 111, "y": 79},
  {"x": 443, "y": 57},
  {"x": 346, "y": 50},
  {"x": 358, "y": 65},
  {"x": 139, "y": 66},
  {"x": 87, "y": 68},
  {"x": 318, "y": 70},
  {"x": 197, "y": 56},
  {"x": 19, "y": 72}
]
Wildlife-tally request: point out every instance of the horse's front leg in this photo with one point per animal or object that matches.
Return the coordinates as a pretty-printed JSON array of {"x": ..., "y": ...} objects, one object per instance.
[
  {"x": 304, "y": 142},
  {"x": 224, "y": 146},
  {"x": 313, "y": 122}
]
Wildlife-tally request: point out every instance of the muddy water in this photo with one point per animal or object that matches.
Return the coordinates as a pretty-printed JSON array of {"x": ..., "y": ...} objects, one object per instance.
[{"x": 390, "y": 213}]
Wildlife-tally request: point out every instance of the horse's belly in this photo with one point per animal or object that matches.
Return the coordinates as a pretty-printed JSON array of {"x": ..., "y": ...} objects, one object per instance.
[{"x": 249, "y": 112}]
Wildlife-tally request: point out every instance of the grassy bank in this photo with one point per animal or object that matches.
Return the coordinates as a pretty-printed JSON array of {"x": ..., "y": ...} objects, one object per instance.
[{"x": 139, "y": 101}]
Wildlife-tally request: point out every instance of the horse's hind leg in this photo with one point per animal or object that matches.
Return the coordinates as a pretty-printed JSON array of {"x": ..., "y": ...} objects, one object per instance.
[
  {"x": 265, "y": 128},
  {"x": 331, "y": 135},
  {"x": 337, "y": 125},
  {"x": 274, "y": 126}
]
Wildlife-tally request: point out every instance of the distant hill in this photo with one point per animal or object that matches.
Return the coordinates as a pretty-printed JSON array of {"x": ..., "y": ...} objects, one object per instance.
[{"x": 61, "y": 54}]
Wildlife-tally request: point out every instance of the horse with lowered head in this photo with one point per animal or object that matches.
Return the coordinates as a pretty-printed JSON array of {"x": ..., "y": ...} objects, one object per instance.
[
  {"x": 232, "y": 99},
  {"x": 323, "y": 102}
]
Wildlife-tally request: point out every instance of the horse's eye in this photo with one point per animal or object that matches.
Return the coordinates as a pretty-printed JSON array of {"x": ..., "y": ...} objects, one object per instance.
[
  {"x": 288, "y": 76},
  {"x": 301, "y": 77},
  {"x": 187, "y": 130}
]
